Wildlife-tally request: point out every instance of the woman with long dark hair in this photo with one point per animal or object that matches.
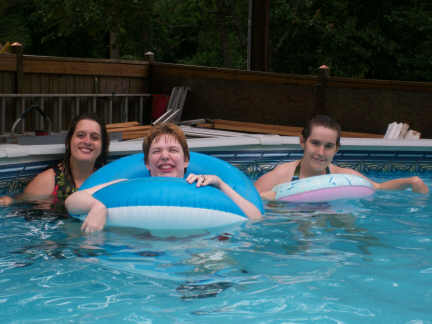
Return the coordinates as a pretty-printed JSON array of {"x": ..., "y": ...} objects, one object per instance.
[{"x": 87, "y": 144}]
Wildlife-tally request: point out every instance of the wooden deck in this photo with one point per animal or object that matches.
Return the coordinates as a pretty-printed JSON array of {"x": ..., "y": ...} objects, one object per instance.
[
  {"x": 133, "y": 130},
  {"x": 270, "y": 129},
  {"x": 129, "y": 130}
]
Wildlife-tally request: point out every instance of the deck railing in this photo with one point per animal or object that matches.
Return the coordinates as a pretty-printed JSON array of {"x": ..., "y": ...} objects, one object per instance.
[{"x": 19, "y": 104}]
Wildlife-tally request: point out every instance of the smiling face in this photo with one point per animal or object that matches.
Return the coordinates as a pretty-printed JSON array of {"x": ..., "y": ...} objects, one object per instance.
[
  {"x": 166, "y": 157},
  {"x": 319, "y": 149},
  {"x": 86, "y": 141}
]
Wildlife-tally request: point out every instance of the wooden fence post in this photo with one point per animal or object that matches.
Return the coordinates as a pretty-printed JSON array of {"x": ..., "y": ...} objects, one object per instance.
[
  {"x": 149, "y": 56},
  {"x": 18, "y": 49},
  {"x": 19, "y": 79},
  {"x": 320, "y": 94}
]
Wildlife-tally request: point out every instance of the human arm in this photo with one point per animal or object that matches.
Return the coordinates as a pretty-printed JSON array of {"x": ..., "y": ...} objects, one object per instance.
[
  {"x": 280, "y": 174},
  {"x": 83, "y": 202},
  {"x": 267, "y": 181},
  {"x": 6, "y": 200},
  {"x": 269, "y": 195},
  {"x": 415, "y": 183},
  {"x": 250, "y": 210},
  {"x": 40, "y": 187}
]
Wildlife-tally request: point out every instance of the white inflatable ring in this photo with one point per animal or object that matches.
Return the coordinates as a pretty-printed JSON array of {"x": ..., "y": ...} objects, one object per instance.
[
  {"x": 167, "y": 205},
  {"x": 323, "y": 188}
]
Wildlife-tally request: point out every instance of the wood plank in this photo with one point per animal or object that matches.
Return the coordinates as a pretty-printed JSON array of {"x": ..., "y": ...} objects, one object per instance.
[
  {"x": 7, "y": 62},
  {"x": 191, "y": 72},
  {"x": 252, "y": 127},
  {"x": 361, "y": 135},
  {"x": 271, "y": 129},
  {"x": 203, "y": 72},
  {"x": 134, "y": 135},
  {"x": 122, "y": 125},
  {"x": 56, "y": 65},
  {"x": 130, "y": 129}
]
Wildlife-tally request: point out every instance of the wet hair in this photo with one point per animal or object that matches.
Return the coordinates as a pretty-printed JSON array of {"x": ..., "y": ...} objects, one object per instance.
[
  {"x": 102, "y": 158},
  {"x": 165, "y": 129},
  {"x": 324, "y": 121}
]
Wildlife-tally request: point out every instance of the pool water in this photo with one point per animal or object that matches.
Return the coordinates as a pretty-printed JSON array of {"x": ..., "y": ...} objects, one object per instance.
[{"x": 359, "y": 261}]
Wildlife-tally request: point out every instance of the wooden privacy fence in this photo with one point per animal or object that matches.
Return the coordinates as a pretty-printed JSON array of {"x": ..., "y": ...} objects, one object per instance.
[
  {"x": 359, "y": 105},
  {"x": 62, "y": 88}
]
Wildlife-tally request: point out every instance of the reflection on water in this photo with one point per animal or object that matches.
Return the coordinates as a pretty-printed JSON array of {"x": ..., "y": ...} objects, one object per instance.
[
  {"x": 13, "y": 186},
  {"x": 312, "y": 219},
  {"x": 202, "y": 290}
]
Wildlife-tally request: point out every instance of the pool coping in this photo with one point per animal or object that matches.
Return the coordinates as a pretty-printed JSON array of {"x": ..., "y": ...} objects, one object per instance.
[
  {"x": 241, "y": 148},
  {"x": 248, "y": 142}
]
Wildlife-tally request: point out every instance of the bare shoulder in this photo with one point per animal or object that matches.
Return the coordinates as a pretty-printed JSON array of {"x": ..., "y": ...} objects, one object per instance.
[
  {"x": 336, "y": 169},
  {"x": 283, "y": 167},
  {"x": 280, "y": 174},
  {"x": 42, "y": 184},
  {"x": 283, "y": 170}
]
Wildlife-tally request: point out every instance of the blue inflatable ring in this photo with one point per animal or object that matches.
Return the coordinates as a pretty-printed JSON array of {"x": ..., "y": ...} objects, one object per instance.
[{"x": 165, "y": 204}]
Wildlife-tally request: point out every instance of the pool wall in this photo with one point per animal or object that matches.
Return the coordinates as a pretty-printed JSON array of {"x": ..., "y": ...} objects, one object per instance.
[
  {"x": 253, "y": 162},
  {"x": 254, "y": 154}
]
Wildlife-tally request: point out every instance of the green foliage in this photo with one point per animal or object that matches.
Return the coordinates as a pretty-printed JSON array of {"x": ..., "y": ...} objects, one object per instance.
[
  {"x": 205, "y": 32},
  {"x": 82, "y": 27},
  {"x": 381, "y": 39},
  {"x": 13, "y": 27}
]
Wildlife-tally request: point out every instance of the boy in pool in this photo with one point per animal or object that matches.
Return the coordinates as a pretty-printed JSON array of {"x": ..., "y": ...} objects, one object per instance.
[
  {"x": 166, "y": 154},
  {"x": 320, "y": 140}
]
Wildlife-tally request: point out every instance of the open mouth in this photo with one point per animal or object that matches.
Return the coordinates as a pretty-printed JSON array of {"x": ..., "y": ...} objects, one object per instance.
[
  {"x": 85, "y": 149},
  {"x": 165, "y": 168}
]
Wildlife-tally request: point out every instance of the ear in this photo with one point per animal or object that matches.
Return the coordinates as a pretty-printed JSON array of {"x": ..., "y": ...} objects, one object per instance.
[
  {"x": 186, "y": 164},
  {"x": 302, "y": 141}
]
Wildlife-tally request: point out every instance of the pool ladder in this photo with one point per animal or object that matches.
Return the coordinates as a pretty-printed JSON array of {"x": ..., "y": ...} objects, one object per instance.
[{"x": 25, "y": 113}]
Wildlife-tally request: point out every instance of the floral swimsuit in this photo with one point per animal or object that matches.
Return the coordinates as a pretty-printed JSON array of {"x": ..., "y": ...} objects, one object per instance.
[{"x": 64, "y": 186}]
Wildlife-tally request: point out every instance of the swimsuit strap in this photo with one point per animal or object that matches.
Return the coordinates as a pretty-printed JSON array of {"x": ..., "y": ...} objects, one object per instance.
[{"x": 296, "y": 175}]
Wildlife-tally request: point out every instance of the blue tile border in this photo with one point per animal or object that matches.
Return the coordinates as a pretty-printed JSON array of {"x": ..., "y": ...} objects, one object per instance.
[
  {"x": 256, "y": 163},
  {"x": 295, "y": 154},
  {"x": 368, "y": 162}
]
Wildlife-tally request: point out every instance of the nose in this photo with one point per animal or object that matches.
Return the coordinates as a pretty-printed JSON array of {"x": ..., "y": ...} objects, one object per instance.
[
  {"x": 164, "y": 154},
  {"x": 321, "y": 150},
  {"x": 87, "y": 139}
]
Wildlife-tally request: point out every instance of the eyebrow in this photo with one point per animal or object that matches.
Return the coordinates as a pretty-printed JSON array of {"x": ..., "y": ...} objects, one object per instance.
[
  {"x": 322, "y": 142},
  {"x": 154, "y": 146},
  {"x": 84, "y": 131}
]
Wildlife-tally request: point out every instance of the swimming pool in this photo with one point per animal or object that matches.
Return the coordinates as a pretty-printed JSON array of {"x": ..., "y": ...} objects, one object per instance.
[{"x": 363, "y": 261}]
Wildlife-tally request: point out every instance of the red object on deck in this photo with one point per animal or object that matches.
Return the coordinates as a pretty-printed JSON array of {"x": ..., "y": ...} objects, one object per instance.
[
  {"x": 41, "y": 133},
  {"x": 159, "y": 105}
]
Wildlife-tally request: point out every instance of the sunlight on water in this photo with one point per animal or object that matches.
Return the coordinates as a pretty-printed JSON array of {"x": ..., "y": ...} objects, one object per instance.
[{"x": 362, "y": 261}]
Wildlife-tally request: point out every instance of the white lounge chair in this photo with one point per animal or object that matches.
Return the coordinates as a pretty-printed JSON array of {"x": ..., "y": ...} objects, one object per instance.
[{"x": 174, "y": 107}]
